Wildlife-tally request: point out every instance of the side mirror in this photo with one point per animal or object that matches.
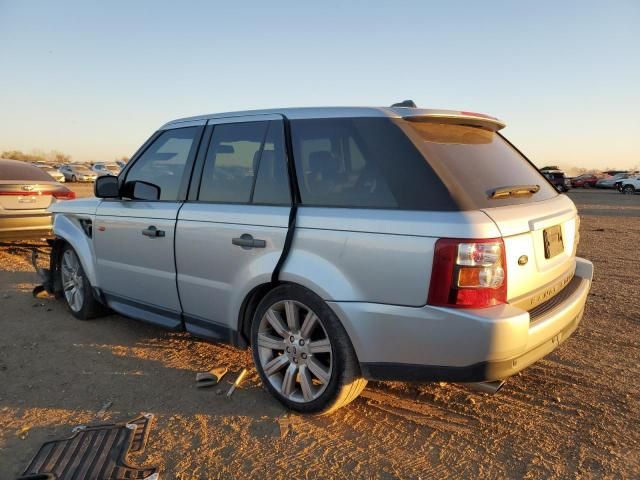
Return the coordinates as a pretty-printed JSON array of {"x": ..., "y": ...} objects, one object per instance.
[
  {"x": 106, "y": 186},
  {"x": 139, "y": 190}
]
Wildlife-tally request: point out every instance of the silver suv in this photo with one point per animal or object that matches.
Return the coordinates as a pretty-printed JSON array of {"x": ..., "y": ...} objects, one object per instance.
[{"x": 339, "y": 244}]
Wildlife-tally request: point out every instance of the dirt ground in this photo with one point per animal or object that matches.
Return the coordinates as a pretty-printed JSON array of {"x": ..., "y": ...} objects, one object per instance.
[{"x": 575, "y": 414}]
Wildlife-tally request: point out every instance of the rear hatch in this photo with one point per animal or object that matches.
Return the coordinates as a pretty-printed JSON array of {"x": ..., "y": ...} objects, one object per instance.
[
  {"x": 540, "y": 242},
  {"x": 483, "y": 171}
]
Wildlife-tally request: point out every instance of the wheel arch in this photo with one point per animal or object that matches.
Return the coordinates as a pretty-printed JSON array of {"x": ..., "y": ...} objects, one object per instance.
[
  {"x": 68, "y": 229},
  {"x": 255, "y": 296}
]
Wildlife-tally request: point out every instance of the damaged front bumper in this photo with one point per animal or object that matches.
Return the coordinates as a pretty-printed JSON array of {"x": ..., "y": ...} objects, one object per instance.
[{"x": 48, "y": 276}]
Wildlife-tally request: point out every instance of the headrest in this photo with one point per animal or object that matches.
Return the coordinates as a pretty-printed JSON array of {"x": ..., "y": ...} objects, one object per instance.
[{"x": 322, "y": 162}]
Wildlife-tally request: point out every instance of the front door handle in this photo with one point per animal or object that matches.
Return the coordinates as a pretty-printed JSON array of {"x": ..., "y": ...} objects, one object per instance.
[
  {"x": 152, "y": 232},
  {"x": 246, "y": 241}
]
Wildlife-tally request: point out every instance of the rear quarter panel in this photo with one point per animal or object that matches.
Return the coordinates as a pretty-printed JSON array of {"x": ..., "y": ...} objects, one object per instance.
[{"x": 378, "y": 256}]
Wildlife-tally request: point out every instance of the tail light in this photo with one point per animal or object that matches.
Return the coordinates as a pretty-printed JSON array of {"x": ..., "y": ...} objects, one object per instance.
[
  {"x": 65, "y": 194},
  {"x": 468, "y": 273}
]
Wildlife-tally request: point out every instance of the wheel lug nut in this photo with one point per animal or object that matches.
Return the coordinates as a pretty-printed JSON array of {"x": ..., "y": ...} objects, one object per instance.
[
  {"x": 295, "y": 360},
  {"x": 288, "y": 349},
  {"x": 301, "y": 342},
  {"x": 304, "y": 355},
  {"x": 291, "y": 339}
]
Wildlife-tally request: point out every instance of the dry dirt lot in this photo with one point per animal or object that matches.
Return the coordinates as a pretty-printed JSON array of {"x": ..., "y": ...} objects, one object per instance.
[{"x": 575, "y": 414}]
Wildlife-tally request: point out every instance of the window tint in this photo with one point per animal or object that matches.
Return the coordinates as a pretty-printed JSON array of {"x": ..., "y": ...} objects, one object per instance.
[
  {"x": 231, "y": 161},
  {"x": 163, "y": 163},
  {"x": 363, "y": 162},
  {"x": 473, "y": 162},
  {"x": 272, "y": 180}
]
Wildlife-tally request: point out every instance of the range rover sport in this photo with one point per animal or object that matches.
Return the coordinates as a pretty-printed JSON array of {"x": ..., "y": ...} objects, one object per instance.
[{"x": 339, "y": 244}]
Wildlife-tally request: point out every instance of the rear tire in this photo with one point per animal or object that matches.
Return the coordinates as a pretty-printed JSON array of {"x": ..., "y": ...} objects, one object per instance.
[
  {"x": 303, "y": 353},
  {"x": 73, "y": 178},
  {"x": 76, "y": 289},
  {"x": 628, "y": 190}
]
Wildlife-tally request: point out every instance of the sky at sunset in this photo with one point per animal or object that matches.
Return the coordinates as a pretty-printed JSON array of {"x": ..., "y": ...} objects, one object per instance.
[{"x": 95, "y": 79}]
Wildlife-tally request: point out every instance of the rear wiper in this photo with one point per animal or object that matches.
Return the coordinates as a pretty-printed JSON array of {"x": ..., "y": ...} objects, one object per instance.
[{"x": 515, "y": 191}]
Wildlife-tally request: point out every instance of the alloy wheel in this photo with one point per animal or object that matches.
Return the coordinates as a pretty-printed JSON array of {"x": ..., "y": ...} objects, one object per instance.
[
  {"x": 72, "y": 280},
  {"x": 295, "y": 351}
]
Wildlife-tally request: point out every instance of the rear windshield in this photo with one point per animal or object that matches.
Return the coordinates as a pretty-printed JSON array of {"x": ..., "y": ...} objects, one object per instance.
[
  {"x": 22, "y": 171},
  {"x": 474, "y": 162}
]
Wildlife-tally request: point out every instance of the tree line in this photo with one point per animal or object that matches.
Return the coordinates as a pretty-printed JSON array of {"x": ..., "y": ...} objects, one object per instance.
[{"x": 54, "y": 156}]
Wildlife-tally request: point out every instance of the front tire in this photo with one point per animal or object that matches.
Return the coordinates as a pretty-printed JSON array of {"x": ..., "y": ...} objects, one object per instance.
[
  {"x": 303, "y": 353},
  {"x": 628, "y": 190},
  {"x": 76, "y": 289}
]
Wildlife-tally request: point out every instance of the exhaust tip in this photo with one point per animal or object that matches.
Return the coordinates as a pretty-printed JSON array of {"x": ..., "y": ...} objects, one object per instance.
[{"x": 487, "y": 387}]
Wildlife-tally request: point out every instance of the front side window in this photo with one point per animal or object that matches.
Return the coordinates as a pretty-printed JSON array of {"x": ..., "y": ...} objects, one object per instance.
[
  {"x": 246, "y": 164},
  {"x": 163, "y": 163}
]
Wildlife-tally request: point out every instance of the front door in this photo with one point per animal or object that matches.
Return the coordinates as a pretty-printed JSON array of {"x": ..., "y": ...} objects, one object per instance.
[
  {"x": 134, "y": 239},
  {"x": 230, "y": 235}
]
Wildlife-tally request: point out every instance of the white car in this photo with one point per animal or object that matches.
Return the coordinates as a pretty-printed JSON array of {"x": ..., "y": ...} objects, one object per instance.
[
  {"x": 106, "y": 169},
  {"x": 630, "y": 185},
  {"x": 78, "y": 173},
  {"x": 56, "y": 174}
]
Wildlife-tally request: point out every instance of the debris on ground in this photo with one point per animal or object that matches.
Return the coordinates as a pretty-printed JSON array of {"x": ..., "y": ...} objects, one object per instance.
[
  {"x": 55, "y": 459},
  {"x": 210, "y": 378},
  {"x": 103, "y": 411},
  {"x": 237, "y": 382},
  {"x": 23, "y": 432}
]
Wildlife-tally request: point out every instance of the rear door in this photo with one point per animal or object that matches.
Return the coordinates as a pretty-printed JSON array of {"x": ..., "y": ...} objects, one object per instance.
[
  {"x": 134, "y": 239},
  {"x": 231, "y": 232}
]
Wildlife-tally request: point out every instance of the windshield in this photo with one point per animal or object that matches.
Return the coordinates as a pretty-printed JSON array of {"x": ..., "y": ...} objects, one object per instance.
[{"x": 474, "y": 162}]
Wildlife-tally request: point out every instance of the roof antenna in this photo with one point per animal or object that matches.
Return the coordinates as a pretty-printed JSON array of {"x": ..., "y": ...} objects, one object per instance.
[{"x": 405, "y": 103}]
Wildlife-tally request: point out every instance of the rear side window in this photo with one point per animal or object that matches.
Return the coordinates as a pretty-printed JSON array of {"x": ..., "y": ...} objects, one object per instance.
[
  {"x": 473, "y": 162},
  {"x": 164, "y": 162},
  {"x": 246, "y": 163},
  {"x": 16, "y": 170},
  {"x": 363, "y": 163}
]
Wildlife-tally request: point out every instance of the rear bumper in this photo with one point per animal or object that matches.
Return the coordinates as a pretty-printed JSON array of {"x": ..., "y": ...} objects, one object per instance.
[
  {"x": 22, "y": 227},
  {"x": 432, "y": 343}
]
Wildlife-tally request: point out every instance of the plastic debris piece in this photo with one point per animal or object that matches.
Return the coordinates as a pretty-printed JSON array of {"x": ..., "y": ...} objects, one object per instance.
[
  {"x": 22, "y": 433},
  {"x": 210, "y": 378},
  {"x": 237, "y": 382}
]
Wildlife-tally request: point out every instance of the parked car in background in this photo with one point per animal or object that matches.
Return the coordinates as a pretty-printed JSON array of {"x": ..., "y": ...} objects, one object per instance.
[
  {"x": 26, "y": 192},
  {"x": 78, "y": 173},
  {"x": 340, "y": 244},
  {"x": 620, "y": 182},
  {"x": 610, "y": 182},
  {"x": 56, "y": 174},
  {"x": 106, "y": 169},
  {"x": 558, "y": 179},
  {"x": 586, "y": 180},
  {"x": 630, "y": 185},
  {"x": 121, "y": 164}
]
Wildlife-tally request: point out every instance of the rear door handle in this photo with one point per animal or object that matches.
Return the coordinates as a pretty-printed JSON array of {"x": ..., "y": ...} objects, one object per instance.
[
  {"x": 246, "y": 241},
  {"x": 152, "y": 232}
]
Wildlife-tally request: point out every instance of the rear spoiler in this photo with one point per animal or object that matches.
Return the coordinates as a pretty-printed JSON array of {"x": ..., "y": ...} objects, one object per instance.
[{"x": 451, "y": 116}]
